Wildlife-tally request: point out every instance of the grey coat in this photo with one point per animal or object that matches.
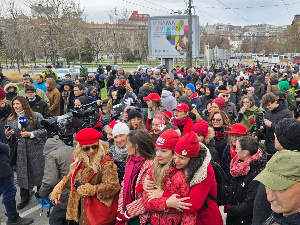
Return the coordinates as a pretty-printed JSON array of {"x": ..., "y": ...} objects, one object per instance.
[
  {"x": 58, "y": 158},
  {"x": 30, "y": 159}
]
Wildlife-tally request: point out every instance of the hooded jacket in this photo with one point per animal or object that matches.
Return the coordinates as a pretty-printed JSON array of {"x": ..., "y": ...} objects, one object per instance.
[
  {"x": 284, "y": 86},
  {"x": 273, "y": 84},
  {"x": 53, "y": 95},
  {"x": 211, "y": 96},
  {"x": 10, "y": 95},
  {"x": 58, "y": 158},
  {"x": 259, "y": 88},
  {"x": 168, "y": 101}
]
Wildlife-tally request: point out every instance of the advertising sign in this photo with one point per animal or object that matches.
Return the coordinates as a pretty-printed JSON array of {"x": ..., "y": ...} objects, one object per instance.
[{"x": 168, "y": 35}]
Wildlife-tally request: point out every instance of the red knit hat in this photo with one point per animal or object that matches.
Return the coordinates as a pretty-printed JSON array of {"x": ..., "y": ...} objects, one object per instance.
[
  {"x": 168, "y": 114},
  {"x": 152, "y": 96},
  {"x": 112, "y": 124},
  {"x": 168, "y": 139},
  {"x": 201, "y": 127},
  {"x": 88, "y": 136},
  {"x": 188, "y": 146},
  {"x": 2, "y": 94},
  {"x": 220, "y": 102},
  {"x": 294, "y": 81}
]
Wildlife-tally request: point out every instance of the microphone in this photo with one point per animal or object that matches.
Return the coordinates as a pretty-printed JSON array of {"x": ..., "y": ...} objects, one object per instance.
[{"x": 22, "y": 121}]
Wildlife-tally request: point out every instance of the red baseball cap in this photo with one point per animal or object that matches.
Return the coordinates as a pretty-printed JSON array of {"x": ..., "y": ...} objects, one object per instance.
[
  {"x": 152, "y": 96},
  {"x": 182, "y": 107}
]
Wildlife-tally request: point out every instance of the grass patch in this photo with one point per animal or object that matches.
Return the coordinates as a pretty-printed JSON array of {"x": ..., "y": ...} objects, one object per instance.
[
  {"x": 15, "y": 76},
  {"x": 104, "y": 92}
]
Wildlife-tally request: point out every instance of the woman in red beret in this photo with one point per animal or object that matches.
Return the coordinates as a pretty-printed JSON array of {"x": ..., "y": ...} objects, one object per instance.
[
  {"x": 92, "y": 174},
  {"x": 166, "y": 177},
  {"x": 194, "y": 159},
  {"x": 140, "y": 159}
]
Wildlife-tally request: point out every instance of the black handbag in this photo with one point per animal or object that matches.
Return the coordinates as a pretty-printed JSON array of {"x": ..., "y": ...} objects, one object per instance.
[{"x": 13, "y": 154}]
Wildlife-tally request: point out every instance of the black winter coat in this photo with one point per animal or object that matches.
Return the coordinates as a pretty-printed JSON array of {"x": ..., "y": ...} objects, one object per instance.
[
  {"x": 5, "y": 168},
  {"x": 243, "y": 194},
  {"x": 213, "y": 151},
  {"x": 110, "y": 81},
  {"x": 40, "y": 106},
  {"x": 70, "y": 105},
  {"x": 274, "y": 116}
]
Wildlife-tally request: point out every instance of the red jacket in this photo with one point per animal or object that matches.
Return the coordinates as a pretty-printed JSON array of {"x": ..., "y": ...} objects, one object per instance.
[
  {"x": 202, "y": 184},
  {"x": 175, "y": 183}
]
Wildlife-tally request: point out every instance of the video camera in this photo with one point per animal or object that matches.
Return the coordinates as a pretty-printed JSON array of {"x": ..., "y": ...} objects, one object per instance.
[
  {"x": 258, "y": 122},
  {"x": 66, "y": 125}
]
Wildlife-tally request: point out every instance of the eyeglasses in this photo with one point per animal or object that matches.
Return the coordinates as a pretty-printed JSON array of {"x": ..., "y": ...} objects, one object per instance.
[
  {"x": 225, "y": 95},
  {"x": 216, "y": 120},
  {"x": 29, "y": 92},
  {"x": 87, "y": 148}
]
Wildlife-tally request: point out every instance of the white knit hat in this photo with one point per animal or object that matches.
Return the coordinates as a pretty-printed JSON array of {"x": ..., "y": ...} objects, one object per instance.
[{"x": 120, "y": 128}]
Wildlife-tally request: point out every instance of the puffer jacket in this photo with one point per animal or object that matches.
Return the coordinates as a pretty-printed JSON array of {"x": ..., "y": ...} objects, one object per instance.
[
  {"x": 273, "y": 87},
  {"x": 53, "y": 95},
  {"x": 58, "y": 158},
  {"x": 168, "y": 101},
  {"x": 243, "y": 194},
  {"x": 4, "y": 81}
]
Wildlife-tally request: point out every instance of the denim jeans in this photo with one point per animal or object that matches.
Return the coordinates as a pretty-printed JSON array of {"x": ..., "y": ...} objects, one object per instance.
[{"x": 8, "y": 190}]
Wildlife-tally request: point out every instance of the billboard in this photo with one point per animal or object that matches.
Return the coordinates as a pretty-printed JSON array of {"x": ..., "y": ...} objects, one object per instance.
[{"x": 168, "y": 35}]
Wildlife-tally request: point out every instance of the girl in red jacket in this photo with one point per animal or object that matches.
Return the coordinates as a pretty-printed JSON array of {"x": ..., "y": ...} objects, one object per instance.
[
  {"x": 167, "y": 178},
  {"x": 201, "y": 178}
]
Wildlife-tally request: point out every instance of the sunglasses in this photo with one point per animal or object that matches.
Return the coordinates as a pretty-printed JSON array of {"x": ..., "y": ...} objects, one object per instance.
[
  {"x": 216, "y": 120},
  {"x": 225, "y": 95},
  {"x": 87, "y": 148}
]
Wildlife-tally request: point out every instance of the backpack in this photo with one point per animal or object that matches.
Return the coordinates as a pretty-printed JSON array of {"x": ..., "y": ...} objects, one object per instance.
[{"x": 223, "y": 191}]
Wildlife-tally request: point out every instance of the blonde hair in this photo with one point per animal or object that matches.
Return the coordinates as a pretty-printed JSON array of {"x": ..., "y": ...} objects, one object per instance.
[
  {"x": 159, "y": 171},
  {"x": 92, "y": 162}
]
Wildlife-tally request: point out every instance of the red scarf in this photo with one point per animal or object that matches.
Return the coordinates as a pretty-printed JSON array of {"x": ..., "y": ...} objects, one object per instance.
[
  {"x": 238, "y": 169},
  {"x": 218, "y": 135},
  {"x": 177, "y": 123},
  {"x": 132, "y": 169},
  {"x": 232, "y": 151}
]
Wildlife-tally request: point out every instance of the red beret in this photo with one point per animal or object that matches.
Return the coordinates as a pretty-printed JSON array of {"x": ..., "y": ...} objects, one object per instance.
[
  {"x": 220, "y": 102},
  {"x": 188, "y": 146},
  {"x": 88, "y": 136},
  {"x": 168, "y": 113},
  {"x": 112, "y": 124}
]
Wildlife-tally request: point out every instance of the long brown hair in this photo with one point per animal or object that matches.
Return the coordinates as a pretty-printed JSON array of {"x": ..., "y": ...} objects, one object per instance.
[
  {"x": 29, "y": 113},
  {"x": 226, "y": 120},
  {"x": 141, "y": 125}
]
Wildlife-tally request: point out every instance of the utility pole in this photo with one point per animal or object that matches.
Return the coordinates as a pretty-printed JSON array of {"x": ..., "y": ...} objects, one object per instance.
[
  {"x": 189, "y": 53},
  {"x": 53, "y": 52},
  {"x": 116, "y": 54}
]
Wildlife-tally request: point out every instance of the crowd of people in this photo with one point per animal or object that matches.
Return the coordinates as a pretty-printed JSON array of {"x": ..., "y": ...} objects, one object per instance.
[{"x": 170, "y": 147}]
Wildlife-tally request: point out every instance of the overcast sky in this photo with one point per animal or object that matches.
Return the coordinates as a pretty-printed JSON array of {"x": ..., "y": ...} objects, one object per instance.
[{"x": 248, "y": 12}]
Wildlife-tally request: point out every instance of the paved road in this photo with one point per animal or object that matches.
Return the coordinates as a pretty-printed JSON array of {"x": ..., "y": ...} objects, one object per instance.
[{"x": 33, "y": 210}]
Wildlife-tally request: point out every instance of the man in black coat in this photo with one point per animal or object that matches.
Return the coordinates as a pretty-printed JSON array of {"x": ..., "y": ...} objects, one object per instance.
[
  {"x": 276, "y": 111},
  {"x": 37, "y": 104},
  {"x": 7, "y": 186},
  {"x": 67, "y": 97}
]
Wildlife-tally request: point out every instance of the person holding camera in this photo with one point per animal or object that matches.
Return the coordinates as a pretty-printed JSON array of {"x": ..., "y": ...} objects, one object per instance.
[
  {"x": 92, "y": 178},
  {"x": 30, "y": 136},
  {"x": 276, "y": 111}
]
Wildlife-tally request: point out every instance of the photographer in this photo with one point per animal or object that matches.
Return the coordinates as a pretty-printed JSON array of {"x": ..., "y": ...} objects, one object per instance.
[
  {"x": 58, "y": 158},
  {"x": 276, "y": 111}
]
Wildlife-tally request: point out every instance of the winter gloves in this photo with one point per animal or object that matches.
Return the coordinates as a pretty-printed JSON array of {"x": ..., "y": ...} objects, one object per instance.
[{"x": 122, "y": 218}]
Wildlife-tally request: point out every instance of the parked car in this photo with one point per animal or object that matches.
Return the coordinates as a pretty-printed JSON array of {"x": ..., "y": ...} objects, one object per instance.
[
  {"x": 61, "y": 73},
  {"x": 144, "y": 67}
]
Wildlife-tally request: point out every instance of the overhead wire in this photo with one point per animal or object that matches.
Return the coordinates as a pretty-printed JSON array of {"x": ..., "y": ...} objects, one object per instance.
[
  {"x": 234, "y": 11},
  {"x": 146, "y": 6},
  {"x": 287, "y": 9},
  {"x": 250, "y": 7}
]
